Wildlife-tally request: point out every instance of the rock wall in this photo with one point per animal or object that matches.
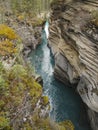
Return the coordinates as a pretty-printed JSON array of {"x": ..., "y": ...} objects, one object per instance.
[{"x": 74, "y": 44}]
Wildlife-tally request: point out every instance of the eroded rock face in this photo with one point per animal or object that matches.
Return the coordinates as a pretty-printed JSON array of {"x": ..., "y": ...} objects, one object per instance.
[
  {"x": 74, "y": 44},
  {"x": 30, "y": 36},
  {"x": 93, "y": 116}
]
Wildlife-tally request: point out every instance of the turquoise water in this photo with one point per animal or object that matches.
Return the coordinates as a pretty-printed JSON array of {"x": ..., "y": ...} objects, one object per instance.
[{"x": 65, "y": 102}]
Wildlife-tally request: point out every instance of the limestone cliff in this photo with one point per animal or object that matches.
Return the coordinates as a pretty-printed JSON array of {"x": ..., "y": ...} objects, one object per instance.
[{"x": 74, "y": 44}]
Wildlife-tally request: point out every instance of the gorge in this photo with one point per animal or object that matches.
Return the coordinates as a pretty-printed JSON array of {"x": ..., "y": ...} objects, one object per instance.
[
  {"x": 65, "y": 59},
  {"x": 65, "y": 103}
]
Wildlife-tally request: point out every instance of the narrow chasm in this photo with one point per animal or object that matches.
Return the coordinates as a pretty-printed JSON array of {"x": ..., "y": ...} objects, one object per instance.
[{"x": 65, "y": 103}]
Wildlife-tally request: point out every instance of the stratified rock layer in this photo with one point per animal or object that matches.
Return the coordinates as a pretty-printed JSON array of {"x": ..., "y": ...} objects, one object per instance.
[{"x": 74, "y": 43}]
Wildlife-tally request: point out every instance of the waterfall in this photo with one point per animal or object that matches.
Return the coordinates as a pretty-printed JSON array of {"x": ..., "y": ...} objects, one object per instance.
[{"x": 46, "y": 28}]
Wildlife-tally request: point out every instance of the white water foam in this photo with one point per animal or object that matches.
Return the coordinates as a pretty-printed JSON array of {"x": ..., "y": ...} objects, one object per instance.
[{"x": 46, "y": 28}]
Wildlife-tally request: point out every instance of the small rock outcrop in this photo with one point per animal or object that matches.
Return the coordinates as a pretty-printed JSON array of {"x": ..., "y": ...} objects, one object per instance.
[
  {"x": 30, "y": 36},
  {"x": 74, "y": 44}
]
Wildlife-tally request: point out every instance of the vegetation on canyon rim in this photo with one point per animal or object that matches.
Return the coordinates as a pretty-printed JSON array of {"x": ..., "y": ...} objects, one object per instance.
[
  {"x": 95, "y": 18},
  {"x": 19, "y": 92},
  {"x": 24, "y": 11}
]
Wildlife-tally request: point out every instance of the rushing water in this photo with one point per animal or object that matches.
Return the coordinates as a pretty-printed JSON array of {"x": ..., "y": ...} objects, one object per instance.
[{"x": 65, "y": 102}]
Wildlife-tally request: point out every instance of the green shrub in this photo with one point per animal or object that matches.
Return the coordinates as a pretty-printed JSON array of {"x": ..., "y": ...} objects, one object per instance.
[{"x": 95, "y": 18}]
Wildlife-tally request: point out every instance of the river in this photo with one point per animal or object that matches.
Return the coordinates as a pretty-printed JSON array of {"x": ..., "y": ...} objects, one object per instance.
[{"x": 65, "y": 102}]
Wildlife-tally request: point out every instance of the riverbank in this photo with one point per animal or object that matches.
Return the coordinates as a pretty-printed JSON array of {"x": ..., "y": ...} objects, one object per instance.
[{"x": 21, "y": 99}]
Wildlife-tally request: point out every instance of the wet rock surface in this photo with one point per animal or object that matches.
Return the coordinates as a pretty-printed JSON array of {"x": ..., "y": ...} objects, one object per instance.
[{"x": 74, "y": 44}]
